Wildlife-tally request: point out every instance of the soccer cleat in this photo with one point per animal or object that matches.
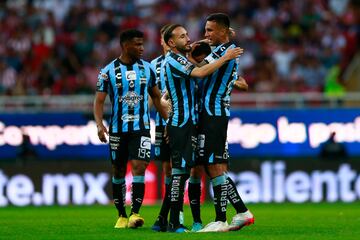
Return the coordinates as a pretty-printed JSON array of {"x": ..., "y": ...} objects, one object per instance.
[
  {"x": 240, "y": 220},
  {"x": 180, "y": 229},
  {"x": 181, "y": 218},
  {"x": 160, "y": 224},
  {"x": 218, "y": 226},
  {"x": 135, "y": 221},
  {"x": 196, "y": 227},
  {"x": 122, "y": 222}
]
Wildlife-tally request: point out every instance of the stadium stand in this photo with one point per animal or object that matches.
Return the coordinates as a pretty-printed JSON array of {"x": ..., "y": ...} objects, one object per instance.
[{"x": 56, "y": 47}]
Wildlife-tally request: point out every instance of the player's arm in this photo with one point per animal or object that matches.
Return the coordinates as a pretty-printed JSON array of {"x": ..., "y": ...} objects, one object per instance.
[
  {"x": 207, "y": 69},
  {"x": 241, "y": 85},
  {"x": 98, "y": 115},
  {"x": 156, "y": 99}
]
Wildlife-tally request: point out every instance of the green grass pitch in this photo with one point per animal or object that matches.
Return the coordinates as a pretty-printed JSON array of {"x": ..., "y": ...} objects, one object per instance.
[{"x": 272, "y": 221}]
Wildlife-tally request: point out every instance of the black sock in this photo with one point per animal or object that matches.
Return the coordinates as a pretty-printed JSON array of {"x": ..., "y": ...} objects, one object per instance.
[
  {"x": 234, "y": 196},
  {"x": 165, "y": 207},
  {"x": 176, "y": 198},
  {"x": 119, "y": 193},
  {"x": 138, "y": 191},
  {"x": 220, "y": 197},
  {"x": 194, "y": 190}
]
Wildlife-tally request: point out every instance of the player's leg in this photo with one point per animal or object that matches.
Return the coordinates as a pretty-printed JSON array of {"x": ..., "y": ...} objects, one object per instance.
[
  {"x": 119, "y": 156},
  {"x": 212, "y": 134},
  {"x": 243, "y": 216},
  {"x": 182, "y": 145},
  {"x": 139, "y": 152},
  {"x": 162, "y": 153},
  {"x": 194, "y": 191}
]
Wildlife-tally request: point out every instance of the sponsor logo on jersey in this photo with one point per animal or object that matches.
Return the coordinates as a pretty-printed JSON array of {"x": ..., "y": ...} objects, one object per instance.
[
  {"x": 130, "y": 117},
  {"x": 130, "y": 75},
  {"x": 131, "y": 99},
  {"x": 145, "y": 143}
]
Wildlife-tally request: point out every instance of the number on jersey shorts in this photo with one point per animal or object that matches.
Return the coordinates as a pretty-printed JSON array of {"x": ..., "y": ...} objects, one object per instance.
[{"x": 130, "y": 146}]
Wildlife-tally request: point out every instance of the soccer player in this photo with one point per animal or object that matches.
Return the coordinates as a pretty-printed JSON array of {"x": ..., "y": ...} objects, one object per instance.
[
  {"x": 198, "y": 54},
  {"x": 213, "y": 128},
  {"x": 128, "y": 80},
  {"x": 162, "y": 149},
  {"x": 181, "y": 124}
]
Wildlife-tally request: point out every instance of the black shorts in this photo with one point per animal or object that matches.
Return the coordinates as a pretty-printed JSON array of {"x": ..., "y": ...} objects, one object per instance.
[
  {"x": 129, "y": 146},
  {"x": 212, "y": 139},
  {"x": 182, "y": 145},
  {"x": 162, "y": 149}
]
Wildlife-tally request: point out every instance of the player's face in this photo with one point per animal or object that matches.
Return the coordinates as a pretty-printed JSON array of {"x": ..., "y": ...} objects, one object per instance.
[
  {"x": 135, "y": 48},
  {"x": 181, "y": 39},
  {"x": 213, "y": 32}
]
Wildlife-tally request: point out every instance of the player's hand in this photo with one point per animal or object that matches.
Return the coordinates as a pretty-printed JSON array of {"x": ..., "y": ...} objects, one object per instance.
[
  {"x": 233, "y": 53},
  {"x": 102, "y": 132},
  {"x": 241, "y": 85}
]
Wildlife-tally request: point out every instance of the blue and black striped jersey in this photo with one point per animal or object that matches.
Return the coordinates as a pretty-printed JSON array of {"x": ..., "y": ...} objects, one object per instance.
[
  {"x": 127, "y": 86},
  {"x": 181, "y": 89},
  {"x": 159, "y": 65},
  {"x": 217, "y": 87},
  {"x": 198, "y": 98}
]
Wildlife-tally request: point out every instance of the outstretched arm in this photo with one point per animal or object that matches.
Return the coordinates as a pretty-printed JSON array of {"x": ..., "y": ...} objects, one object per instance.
[{"x": 207, "y": 69}]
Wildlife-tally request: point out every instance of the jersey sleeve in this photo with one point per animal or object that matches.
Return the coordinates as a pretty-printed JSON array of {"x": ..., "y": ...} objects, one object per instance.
[
  {"x": 181, "y": 65},
  {"x": 102, "y": 84},
  {"x": 218, "y": 52}
]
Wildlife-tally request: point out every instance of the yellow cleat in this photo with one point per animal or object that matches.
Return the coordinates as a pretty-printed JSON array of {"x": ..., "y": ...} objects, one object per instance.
[
  {"x": 135, "y": 221},
  {"x": 122, "y": 222}
]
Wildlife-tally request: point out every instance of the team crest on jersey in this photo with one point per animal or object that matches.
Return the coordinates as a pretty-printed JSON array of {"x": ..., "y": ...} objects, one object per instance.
[
  {"x": 130, "y": 75},
  {"x": 118, "y": 85},
  {"x": 103, "y": 76},
  {"x": 131, "y": 99},
  {"x": 143, "y": 79}
]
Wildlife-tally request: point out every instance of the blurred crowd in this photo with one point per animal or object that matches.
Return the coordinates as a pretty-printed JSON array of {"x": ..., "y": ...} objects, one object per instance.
[{"x": 53, "y": 47}]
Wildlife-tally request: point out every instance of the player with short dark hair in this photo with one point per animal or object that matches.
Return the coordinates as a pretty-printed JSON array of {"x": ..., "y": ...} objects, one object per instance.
[
  {"x": 213, "y": 152},
  {"x": 181, "y": 125},
  {"x": 128, "y": 80},
  {"x": 199, "y": 52}
]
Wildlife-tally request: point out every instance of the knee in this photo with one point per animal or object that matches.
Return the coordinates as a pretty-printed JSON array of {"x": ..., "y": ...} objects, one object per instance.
[
  {"x": 215, "y": 170},
  {"x": 139, "y": 168},
  {"x": 119, "y": 171}
]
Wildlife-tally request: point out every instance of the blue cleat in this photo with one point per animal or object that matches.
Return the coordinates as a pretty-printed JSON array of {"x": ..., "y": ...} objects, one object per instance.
[
  {"x": 160, "y": 225},
  {"x": 196, "y": 227}
]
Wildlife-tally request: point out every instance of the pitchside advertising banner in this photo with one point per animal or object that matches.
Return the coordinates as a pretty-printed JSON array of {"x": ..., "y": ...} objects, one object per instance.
[
  {"x": 85, "y": 183},
  {"x": 259, "y": 133}
]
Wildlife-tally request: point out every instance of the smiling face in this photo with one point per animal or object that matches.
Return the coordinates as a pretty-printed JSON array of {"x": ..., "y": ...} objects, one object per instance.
[
  {"x": 180, "y": 40},
  {"x": 215, "y": 33}
]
